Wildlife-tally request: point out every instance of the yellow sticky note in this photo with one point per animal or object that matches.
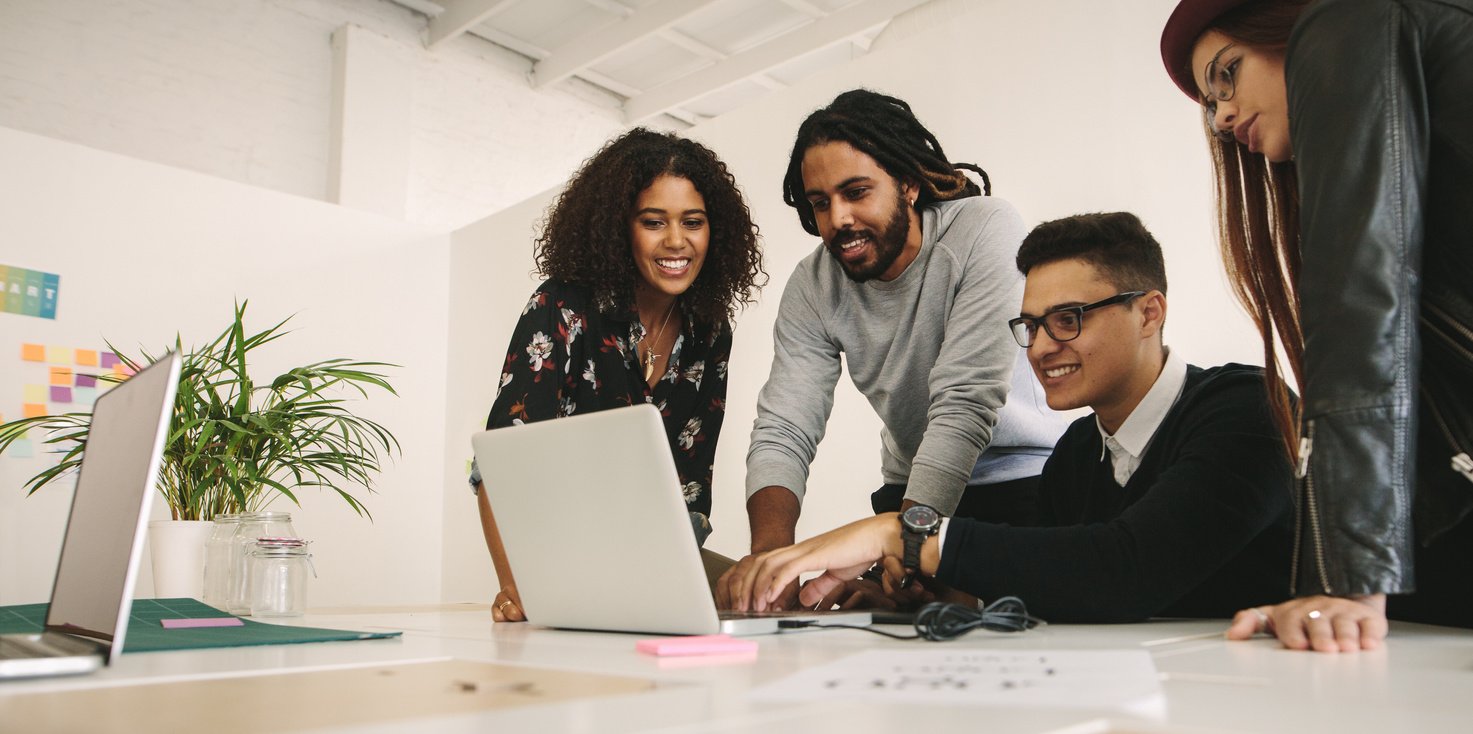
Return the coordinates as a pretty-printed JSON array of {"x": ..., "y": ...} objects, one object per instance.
[
  {"x": 87, "y": 357},
  {"x": 59, "y": 355},
  {"x": 61, "y": 376},
  {"x": 33, "y": 410},
  {"x": 35, "y": 393},
  {"x": 33, "y": 352}
]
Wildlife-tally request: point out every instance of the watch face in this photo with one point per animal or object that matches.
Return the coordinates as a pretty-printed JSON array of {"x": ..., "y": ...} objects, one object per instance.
[{"x": 920, "y": 518}]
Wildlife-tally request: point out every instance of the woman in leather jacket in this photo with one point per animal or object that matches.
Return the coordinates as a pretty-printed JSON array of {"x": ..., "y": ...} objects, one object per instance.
[{"x": 1341, "y": 133}]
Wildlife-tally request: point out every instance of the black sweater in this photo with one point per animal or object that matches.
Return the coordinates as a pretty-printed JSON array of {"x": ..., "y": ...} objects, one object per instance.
[{"x": 1202, "y": 529}]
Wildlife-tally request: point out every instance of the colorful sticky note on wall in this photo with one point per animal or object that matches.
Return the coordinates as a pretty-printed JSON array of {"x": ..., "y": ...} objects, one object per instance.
[
  {"x": 21, "y": 449},
  {"x": 86, "y": 380},
  {"x": 61, "y": 394},
  {"x": 33, "y": 410},
  {"x": 109, "y": 360},
  {"x": 34, "y": 393},
  {"x": 33, "y": 352},
  {"x": 59, "y": 355},
  {"x": 61, "y": 376},
  {"x": 84, "y": 395},
  {"x": 87, "y": 357}
]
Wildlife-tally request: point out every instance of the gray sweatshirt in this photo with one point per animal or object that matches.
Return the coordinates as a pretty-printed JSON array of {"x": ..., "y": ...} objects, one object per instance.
[{"x": 930, "y": 350}]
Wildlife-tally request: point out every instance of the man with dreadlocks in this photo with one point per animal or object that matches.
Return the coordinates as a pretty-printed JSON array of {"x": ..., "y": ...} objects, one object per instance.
[{"x": 912, "y": 284}]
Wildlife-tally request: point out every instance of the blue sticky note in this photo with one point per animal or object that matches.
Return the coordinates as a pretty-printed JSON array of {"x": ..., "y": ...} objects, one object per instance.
[
  {"x": 84, "y": 395},
  {"x": 21, "y": 449}
]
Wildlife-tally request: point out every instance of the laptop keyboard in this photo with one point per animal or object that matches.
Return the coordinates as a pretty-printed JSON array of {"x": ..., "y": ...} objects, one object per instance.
[{"x": 19, "y": 647}]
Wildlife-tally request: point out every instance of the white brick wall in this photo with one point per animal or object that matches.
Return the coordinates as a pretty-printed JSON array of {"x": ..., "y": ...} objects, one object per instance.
[{"x": 241, "y": 89}]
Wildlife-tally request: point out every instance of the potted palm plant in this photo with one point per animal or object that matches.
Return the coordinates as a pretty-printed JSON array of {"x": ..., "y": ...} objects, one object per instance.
[{"x": 235, "y": 444}]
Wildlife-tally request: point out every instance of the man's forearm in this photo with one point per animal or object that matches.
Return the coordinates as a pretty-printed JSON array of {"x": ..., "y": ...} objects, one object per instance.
[{"x": 773, "y": 514}]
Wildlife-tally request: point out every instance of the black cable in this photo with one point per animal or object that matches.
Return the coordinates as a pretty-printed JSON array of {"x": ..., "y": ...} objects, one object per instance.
[{"x": 941, "y": 621}]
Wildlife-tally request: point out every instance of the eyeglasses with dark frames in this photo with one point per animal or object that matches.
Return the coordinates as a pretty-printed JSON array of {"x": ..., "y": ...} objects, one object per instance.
[
  {"x": 1221, "y": 82},
  {"x": 1063, "y": 324}
]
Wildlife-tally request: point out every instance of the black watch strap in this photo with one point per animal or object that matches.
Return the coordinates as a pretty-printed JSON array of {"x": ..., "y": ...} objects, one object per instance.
[{"x": 917, "y": 523}]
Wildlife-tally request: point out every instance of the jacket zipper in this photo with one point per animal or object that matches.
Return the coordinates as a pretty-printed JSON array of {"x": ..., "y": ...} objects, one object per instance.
[
  {"x": 1446, "y": 321},
  {"x": 1311, "y": 506},
  {"x": 1461, "y": 462}
]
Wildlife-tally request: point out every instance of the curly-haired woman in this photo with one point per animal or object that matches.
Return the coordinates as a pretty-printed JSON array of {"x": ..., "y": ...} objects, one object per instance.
[{"x": 647, "y": 252}]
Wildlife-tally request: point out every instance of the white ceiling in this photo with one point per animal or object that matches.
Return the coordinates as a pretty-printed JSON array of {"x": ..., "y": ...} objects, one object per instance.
[{"x": 689, "y": 59}]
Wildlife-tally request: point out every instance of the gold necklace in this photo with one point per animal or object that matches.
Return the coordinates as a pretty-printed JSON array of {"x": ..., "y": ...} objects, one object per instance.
[{"x": 649, "y": 351}]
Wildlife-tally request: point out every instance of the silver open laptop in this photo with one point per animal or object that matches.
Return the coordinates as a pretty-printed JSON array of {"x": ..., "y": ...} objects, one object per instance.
[
  {"x": 93, "y": 593},
  {"x": 590, "y": 511}
]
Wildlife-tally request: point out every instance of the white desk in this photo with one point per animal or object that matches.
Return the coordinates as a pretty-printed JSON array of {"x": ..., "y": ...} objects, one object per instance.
[{"x": 1421, "y": 682}]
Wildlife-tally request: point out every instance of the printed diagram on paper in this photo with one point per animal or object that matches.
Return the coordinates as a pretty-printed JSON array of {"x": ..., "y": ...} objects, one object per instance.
[{"x": 1106, "y": 679}]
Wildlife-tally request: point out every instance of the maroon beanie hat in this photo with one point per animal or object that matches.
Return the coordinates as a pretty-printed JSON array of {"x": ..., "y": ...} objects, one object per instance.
[{"x": 1186, "y": 23}]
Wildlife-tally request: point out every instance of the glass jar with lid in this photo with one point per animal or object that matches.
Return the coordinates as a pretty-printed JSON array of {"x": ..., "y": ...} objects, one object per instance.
[
  {"x": 278, "y": 577},
  {"x": 252, "y": 526}
]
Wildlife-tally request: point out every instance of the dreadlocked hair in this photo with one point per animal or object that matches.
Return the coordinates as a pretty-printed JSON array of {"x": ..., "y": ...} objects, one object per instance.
[
  {"x": 885, "y": 129},
  {"x": 585, "y": 237}
]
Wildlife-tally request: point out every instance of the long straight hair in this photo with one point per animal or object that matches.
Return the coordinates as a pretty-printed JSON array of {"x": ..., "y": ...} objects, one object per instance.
[{"x": 1258, "y": 223}]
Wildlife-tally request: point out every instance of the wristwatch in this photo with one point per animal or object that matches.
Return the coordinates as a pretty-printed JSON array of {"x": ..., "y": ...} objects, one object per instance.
[{"x": 916, "y": 524}]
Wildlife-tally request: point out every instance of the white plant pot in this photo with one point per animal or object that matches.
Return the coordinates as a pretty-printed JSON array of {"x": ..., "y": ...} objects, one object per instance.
[{"x": 177, "y": 548}]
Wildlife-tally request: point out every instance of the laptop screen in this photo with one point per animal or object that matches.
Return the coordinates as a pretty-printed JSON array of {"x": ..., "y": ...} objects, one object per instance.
[{"x": 115, "y": 487}]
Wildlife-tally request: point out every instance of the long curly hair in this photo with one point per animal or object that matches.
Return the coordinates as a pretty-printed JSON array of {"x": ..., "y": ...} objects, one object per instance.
[
  {"x": 585, "y": 237},
  {"x": 884, "y": 128}
]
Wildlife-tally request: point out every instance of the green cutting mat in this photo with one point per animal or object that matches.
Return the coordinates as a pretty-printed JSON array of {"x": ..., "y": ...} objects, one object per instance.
[{"x": 145, "y": 634}]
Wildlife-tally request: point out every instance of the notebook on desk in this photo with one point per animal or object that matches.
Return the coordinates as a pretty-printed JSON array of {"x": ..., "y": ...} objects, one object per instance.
[
  {"x": 590, "y": 512},
  {"x": 93, "y": 592}
]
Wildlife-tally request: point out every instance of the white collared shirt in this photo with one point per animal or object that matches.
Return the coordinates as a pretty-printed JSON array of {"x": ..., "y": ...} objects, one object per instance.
[
  {"x": 1126, "y": 447},
  {"x": 1130, "y": 442}
]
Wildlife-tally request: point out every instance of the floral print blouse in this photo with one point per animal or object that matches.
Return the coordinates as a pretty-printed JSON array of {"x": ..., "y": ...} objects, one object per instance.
[{"x": 567, "y": 357}]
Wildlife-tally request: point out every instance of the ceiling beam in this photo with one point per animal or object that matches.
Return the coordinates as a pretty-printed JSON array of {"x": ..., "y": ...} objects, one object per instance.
[
  {"x": 460, "y": 16},
  {"x": 699, "y": 48},
  {"x": 530, "y": 50},
  {"x": 595, "y": 46},
  {"x": 612, "y": 6},
  {"x": 806, "y": 8},
  {"x": 822, "y": 33}
]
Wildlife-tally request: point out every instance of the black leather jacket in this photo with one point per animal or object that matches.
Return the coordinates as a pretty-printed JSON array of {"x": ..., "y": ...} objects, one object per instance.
[{"x": 1381, "y": 111}]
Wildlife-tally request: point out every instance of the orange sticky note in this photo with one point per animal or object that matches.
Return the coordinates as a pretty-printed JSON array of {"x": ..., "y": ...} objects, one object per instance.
[
  {"x": 87, "y": 357},
  {"x": 61, "y": 376},
  {"x": 33, "y": 352},
  {"x": 59, "y": 355},
  {"x": 33, "y": 410}
]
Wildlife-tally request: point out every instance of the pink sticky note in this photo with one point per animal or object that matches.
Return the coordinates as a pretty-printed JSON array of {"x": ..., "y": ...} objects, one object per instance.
[
  {"x": 61, "y": 394},
  {"x": 86, "y": 380},
  {"x": 700, "y": 645},
  {"x": 176, "y": 624},
  {"x": 109, "y": 359}
]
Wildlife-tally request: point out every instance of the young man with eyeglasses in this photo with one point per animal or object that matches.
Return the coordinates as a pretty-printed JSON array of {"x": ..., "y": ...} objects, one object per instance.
[{"x": 1171, "y": 499}]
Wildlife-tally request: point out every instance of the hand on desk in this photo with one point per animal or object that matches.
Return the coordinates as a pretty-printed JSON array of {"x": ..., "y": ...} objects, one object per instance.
[
  {"x": 842, "y": 555},
  {"x": 868, "y": 593},
  {"x": 730, "y": 593},
  {"x": 508, "y": 606},
  {"x": 1321, "y": 623}
]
